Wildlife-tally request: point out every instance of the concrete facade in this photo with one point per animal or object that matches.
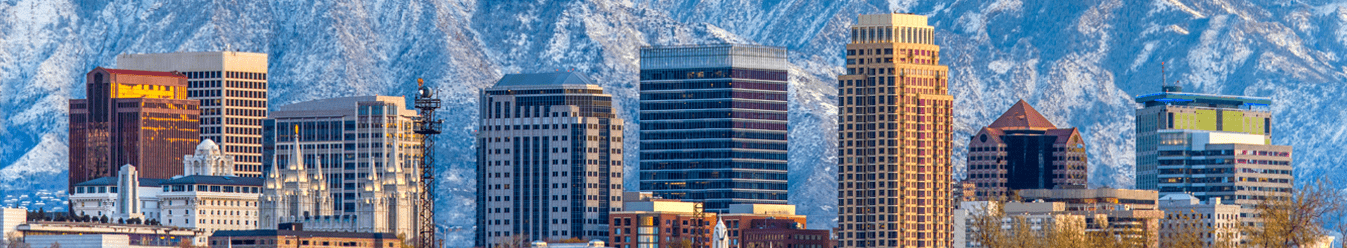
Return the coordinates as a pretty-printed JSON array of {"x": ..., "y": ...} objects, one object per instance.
[
  {"x": 549, "y": 159},
  {"x": 1218, "y": 223}
]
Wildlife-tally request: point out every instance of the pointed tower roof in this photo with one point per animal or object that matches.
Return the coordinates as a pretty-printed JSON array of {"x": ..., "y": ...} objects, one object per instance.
[{"x": 1022, "y": 116}]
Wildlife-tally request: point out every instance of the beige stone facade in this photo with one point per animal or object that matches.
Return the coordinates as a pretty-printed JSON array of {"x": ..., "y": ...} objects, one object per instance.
[
  {"x": 894, "y": 136},
  {"x": 549, "y": 159}
]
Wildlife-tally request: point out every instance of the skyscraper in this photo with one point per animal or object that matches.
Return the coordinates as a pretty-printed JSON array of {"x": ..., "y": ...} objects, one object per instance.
[
  {"x": 1210, "y": 146},
  {"x": 549, "y": 159},
  {"x": 141, "y": 118},
  {"x": 714, "y": 124},
  {"x": 1023, "y": 150},
  {"x": 232, "y": 88},
  {"x": 894, "y": 136},
  {"x": 345, "y": 164}
]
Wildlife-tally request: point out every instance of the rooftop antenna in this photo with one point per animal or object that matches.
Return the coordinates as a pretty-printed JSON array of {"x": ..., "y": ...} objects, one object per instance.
[{"x": 1163, "y": 80}]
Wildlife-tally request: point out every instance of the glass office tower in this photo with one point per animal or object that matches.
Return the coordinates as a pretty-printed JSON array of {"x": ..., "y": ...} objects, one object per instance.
[{"x": 714, "y": 124}]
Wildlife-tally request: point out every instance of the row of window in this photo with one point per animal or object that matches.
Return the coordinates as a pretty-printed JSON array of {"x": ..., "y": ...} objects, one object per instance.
[
  {"x": 678, "y": 175},
  {"x": 544, "y": 92},
  {"x": 656, "y": 125},
  {"x": 1164, "y": 162},
  {"x": 714, "y": 135},
  {"x": 719, "y": 104},
  {"x": 721, "y": 195},
  {"x": 716, "y": 185},
  {"x": 713, "y": 155},
  {"x": 768, "y": 145},
  {"x": 706, "y": 73},
  {"x": 714, "y": 95},
  {"x": 550, "y": 127},
  {"x": 246, "y": 85},
  {"x": 685, "y": 165},
  {"x": 713, "y": 84}
]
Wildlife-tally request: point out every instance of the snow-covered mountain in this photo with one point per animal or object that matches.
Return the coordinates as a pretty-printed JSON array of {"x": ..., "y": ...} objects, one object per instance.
[{"x": 1078, "y": 62}]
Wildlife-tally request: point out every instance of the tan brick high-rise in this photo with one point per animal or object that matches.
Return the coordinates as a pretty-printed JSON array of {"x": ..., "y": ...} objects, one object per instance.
[{"x": 894, "y": 133}]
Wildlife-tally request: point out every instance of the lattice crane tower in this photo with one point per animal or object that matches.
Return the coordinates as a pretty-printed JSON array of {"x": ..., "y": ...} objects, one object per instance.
[{"x": 427, "y": 126}]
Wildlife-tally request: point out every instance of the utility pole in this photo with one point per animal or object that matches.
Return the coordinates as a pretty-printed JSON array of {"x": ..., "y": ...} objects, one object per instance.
[{"x": 427, "y": 126}]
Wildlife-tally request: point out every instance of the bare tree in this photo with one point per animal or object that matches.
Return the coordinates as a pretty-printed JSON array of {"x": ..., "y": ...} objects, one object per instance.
[
  {"x": 682, "y": 243},
  {"x": 986, "y": 226},
  {"x": 1297, "y": 219},
  {"x": 15, "y": 240},
  {"x": 514, "y": 241}
]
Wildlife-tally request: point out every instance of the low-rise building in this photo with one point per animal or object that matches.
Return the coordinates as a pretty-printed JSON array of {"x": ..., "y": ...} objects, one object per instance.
[
  {"x": 766, "y": 233},
  {"x": 1121, "y": 212},
  {"x": 1041, "y": 217},
  {"x": 297, "y": 237},
  {"x": 209, "y": 197},
  {"x": 1188, "y": 220},
  {"x": 42, "y": 234},
  {"x": 662, "y": 223}
]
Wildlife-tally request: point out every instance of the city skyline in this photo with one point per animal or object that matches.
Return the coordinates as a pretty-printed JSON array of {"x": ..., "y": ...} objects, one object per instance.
[{"x": 984, "y": 81}]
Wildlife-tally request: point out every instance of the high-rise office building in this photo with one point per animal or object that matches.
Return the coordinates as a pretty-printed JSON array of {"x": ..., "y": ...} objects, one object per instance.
[
  {"x": 1023, "y": 150},
  {"x": 894, "y": 121},
  {"x": 344, "y": 164},
  {"x": 141, "y": 118},
  {"x": 232, "y": 88},
  {"x": 1174, "y": 109},
  {"x": 714, "y": 124},
  {"x": 549, "y": 159},
  {"x": 1210, "y": 146}
]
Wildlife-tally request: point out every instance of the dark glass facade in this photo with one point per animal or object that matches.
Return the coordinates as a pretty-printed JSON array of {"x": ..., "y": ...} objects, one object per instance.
[
  {"x": 714, "y": 124},
  {"x": 141, "y": 118}
]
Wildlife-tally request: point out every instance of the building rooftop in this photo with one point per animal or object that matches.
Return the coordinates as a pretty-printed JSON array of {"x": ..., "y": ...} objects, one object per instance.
[
  {"x": 1022, "y": 116},
  {"x": 112, "y": 181},
  {"x": 144, "y": 73},
  {"x": 273, "y": 232},
  {"x": 1174, "y": 96},
  {"x": 896, "y": 19},
  {"x": 215, "y": 180},
  {"x": 340, "y": 106},
  {"x": 544, "y": 79}
]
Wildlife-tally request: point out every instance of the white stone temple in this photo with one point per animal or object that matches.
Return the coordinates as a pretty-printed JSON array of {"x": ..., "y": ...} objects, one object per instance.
[{"x": 341, "y": 170}]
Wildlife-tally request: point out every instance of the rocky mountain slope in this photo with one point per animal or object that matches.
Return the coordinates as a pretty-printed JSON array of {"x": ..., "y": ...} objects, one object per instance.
[{"x": 1078, "y": 62}]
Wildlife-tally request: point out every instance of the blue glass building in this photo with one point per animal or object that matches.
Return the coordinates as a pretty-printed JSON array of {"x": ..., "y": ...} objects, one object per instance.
[{"x": 714, "y": 124}]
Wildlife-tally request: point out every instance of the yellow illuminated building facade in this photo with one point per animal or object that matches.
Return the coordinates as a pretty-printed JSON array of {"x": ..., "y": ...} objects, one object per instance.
[
  {"x": 894, "y": 136},
  {"x": 141, "y": 118}
]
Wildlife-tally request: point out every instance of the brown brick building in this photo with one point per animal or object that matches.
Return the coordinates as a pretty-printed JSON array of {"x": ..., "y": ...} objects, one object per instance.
[
  {"x": 779, "y": 233},
  {"x": 1023, "y": 150},
  {"x": 664, "y": 223},
  {"x": 302, "y": 239},
  {"x": 142, "y": 118}
]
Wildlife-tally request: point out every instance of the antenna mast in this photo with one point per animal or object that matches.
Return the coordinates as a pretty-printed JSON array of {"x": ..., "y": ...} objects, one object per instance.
[{"x": 427, "y": 126}]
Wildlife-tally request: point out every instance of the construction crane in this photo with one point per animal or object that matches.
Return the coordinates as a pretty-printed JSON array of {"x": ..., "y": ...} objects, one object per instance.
[{"x": 427, "y": 126}]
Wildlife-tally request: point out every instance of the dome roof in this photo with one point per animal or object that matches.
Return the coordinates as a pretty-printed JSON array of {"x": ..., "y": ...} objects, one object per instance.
[{"x": 207, "y": 144}]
